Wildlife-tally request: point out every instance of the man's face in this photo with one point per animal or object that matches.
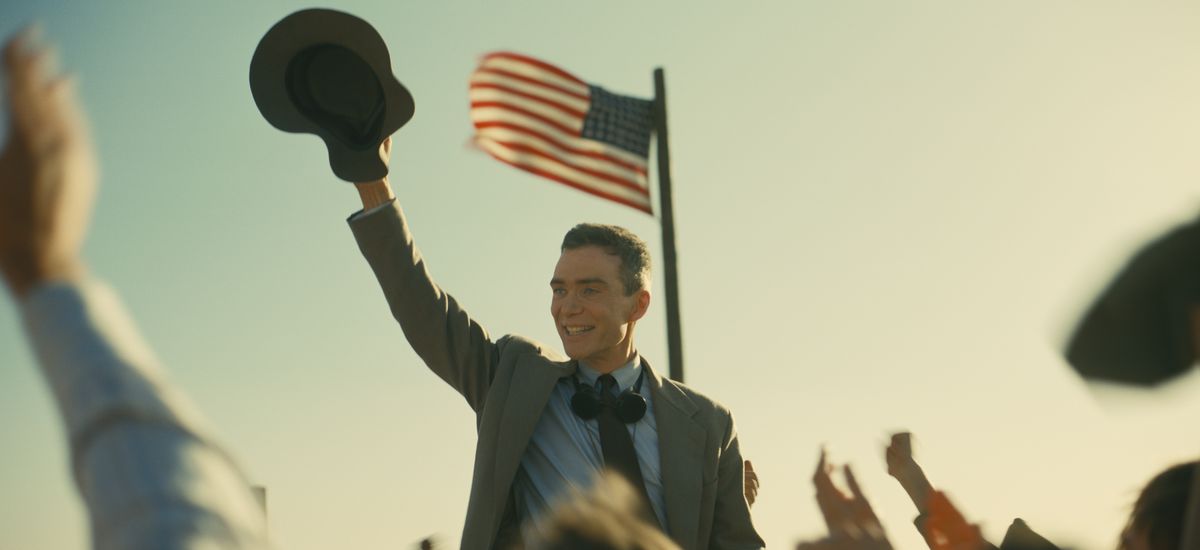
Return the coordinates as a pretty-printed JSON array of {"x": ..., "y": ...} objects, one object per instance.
[{"x": 593, "y": 315}]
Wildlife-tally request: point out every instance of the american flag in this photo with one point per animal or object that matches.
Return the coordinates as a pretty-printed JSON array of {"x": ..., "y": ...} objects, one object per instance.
[{"x": 542, "y": 119}]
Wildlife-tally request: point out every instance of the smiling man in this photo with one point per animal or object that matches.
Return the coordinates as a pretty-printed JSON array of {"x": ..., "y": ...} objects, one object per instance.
[
  {"x": 600, "y": 293},
  {"x": 548, "y": 426}
]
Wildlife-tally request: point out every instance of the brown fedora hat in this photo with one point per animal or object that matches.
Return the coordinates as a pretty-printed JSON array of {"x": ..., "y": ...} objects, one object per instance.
[{"x": 328, "y": 73}]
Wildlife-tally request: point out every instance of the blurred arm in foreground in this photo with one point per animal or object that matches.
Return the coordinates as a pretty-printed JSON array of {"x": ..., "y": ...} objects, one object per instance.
[
  {"x": 145, "y": 467},
  {"x": 942, "y": 525}
]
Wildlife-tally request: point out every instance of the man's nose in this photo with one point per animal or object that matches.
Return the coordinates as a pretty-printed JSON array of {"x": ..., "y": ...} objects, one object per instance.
[{"x": 571, "y": 304}]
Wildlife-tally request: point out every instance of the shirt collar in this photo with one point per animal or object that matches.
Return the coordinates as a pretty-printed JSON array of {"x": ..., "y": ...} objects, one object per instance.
[{"x": 626, "y": 376}]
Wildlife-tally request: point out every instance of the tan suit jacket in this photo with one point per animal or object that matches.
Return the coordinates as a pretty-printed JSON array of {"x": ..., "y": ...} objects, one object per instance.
[{"x": 508, "y": 382}]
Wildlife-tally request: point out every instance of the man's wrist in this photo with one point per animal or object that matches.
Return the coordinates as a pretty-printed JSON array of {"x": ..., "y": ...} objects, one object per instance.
[
  {"x": 23, "y": 277},
  {"x": 19, "y": 283},
  {"x": 375, "y": 193}
]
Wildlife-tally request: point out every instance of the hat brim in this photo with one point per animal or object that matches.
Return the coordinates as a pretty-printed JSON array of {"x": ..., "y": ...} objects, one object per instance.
[{"x": 268, "y": 84}]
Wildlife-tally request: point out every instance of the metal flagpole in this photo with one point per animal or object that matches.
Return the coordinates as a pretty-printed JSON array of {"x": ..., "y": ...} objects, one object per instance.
[{"x": 667, "y": 219}]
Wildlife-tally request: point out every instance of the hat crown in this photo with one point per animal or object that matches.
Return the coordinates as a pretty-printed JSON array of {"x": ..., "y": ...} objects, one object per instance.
[
  {"x": 334, "y": 87},
  {"x": 328, "y": 73}
]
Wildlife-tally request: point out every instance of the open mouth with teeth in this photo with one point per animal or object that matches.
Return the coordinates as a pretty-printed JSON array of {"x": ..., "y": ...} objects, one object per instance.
[{"x": 576, "y": 330}]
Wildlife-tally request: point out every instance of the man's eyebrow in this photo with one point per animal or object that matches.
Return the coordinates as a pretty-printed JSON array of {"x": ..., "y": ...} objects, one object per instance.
[{"x": 585, "y": 281}]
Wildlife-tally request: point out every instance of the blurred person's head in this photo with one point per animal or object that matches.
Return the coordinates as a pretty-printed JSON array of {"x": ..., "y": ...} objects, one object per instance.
[
  {"x": 1156, "y": 522},
  {"x": 607, "y": 517}
]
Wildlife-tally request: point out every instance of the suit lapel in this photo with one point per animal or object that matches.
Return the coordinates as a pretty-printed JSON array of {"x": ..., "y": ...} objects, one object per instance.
[
  {"x": 681, "y": 453},
  {"x": 532, "y": 382}
]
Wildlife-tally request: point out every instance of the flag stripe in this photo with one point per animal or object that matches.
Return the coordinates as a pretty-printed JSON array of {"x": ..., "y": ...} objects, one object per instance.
[
  {"x": 632, "y": 180},
  {"x": 547, "y": 165},
  {"x": 502, "y": 131},
  {"x": 534, "y": 62},
  {"x": 535, "y": 74},
  {"x": 556, "y": 167},
  {"x": 484, "y": 117},
  {"x": 493, "y": 98},
  {"x": 569, "y": 100},
  {"x": 499, "y": 153},
  {"x": 557, "y": 125},
  {"x": 481, "y": 90},
  {"x": 583, "y": 95}
]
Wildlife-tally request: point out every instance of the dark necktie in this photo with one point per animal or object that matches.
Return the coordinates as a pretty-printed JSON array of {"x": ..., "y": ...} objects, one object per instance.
[{"x": 617, "y": 446}]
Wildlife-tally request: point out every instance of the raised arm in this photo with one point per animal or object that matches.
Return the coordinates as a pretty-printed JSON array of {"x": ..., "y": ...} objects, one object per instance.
[
  {"x": 939, "y": 522},
  {"x": 147, "y": 472},
  {"x": 453, "y": 345},
  {"x": 904, "y": 468}
]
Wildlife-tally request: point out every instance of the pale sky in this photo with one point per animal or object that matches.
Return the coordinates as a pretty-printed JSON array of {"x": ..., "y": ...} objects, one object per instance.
[{"x": 888, "y": 215}]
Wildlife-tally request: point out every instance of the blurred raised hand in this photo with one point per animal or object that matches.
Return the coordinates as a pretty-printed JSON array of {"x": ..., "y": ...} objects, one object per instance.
[
  {"x": 47, "y": 170},
  {"x": 942, "y": 525},
  {"x": 852, "y": 523},
  {"x": 899, "y": 455},
  {"x": 902, "y": 466}
]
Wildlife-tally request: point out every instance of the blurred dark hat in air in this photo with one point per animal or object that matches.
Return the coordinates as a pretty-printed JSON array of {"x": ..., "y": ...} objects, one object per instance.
[
  {"x": 1140, "y": 330},
  {"x": 328, "y": 73}
]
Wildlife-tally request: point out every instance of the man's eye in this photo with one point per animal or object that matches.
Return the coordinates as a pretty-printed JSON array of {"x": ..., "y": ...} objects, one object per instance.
[
  {"x": 558, "y": 291},
  {"x": 590, "y": 291}
]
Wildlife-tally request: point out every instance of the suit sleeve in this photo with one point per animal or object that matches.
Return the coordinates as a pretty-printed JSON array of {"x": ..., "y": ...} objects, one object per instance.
[
  {"x": 733, "y": 528},
  {"x": 453, "y": 345}
]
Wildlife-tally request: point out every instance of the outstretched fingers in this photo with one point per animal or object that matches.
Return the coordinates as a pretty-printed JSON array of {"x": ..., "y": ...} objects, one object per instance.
[
  {"x": 26, "y": 64},
  {"x": 43, "y": 107},
  {"x": 864, "y": 515}
]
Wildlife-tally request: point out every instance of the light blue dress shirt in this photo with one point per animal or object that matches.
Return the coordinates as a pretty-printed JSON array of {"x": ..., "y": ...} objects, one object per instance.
[{"x": 564, "y": 452}]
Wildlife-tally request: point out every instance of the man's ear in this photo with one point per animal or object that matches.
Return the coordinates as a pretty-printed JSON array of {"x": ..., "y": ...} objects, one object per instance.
[{"x": 641, "y": 303}]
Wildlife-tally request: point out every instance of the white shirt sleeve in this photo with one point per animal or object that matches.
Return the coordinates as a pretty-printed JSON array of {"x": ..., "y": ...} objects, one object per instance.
[
  {"x": 371, "y": 210},
  {"x": 144, "y": 464}
]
